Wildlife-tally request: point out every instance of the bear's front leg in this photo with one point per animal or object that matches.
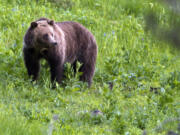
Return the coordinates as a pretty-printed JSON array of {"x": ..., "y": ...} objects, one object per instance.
[
  {"x": 56, "y": 72},
  {"x": 31, "y": 62}
]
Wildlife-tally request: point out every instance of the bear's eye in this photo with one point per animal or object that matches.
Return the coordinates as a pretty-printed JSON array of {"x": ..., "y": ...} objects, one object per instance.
[{"x": 45, "y": 36}]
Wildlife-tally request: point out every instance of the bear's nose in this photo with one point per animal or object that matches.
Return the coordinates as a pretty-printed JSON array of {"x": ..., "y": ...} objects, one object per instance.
[{"x": 54, "y": 43}]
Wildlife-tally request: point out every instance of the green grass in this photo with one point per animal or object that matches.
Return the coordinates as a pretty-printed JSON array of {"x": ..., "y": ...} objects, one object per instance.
[{"x": 144, "y": 73}]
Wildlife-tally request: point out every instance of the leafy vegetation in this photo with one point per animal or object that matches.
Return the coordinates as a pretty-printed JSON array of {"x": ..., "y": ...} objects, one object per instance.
[{"x": 136, "y": 84}]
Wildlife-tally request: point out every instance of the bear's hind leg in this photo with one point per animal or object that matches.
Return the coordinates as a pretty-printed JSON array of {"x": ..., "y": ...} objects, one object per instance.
[
  {"x": 88, "y": 60},
  {"x": 88, "y": 71}
]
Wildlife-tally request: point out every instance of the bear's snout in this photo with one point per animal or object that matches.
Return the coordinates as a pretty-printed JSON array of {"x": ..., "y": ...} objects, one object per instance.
[{"x": 54, "y": 43}]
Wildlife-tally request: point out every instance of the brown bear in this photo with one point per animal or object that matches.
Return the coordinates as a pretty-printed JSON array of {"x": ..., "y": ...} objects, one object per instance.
[{"x": 58, "y": 43}]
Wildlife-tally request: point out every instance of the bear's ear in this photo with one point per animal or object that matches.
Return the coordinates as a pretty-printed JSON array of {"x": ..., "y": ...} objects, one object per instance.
[
  {"x": 51, "y": 22},
  {"x": 34, "y": 24}
]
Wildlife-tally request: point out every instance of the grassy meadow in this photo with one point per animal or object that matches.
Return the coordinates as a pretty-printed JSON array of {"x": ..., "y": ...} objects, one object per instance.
[{"x": 136, "y": 85}]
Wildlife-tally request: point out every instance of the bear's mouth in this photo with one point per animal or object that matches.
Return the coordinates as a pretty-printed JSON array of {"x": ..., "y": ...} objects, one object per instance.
[{"x": 44, "y": 51}]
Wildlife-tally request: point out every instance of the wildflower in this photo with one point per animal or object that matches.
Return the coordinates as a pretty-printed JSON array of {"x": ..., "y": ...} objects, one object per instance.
[
  {"x": 55, "y": 117},
  {"x": 14, "y": 9},
  {"x": 97, "y": 112},
  {"x": 14, "y": 45}
]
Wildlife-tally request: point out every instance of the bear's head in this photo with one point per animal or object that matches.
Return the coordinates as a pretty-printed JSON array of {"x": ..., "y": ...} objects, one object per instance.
[{"x": 44, "y": 34}]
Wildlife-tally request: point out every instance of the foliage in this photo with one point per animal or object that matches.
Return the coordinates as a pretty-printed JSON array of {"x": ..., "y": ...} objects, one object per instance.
[
  {"x": 136, "y": 84},
  {"x": 165, "y": 27}
]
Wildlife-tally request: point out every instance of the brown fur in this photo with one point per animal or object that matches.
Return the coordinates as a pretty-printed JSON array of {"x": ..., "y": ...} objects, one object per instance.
[{"x": 58, "y": 43}]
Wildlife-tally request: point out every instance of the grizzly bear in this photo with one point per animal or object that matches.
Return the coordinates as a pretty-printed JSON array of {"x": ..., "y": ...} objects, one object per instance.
[{"x": 58, "y": 43}]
